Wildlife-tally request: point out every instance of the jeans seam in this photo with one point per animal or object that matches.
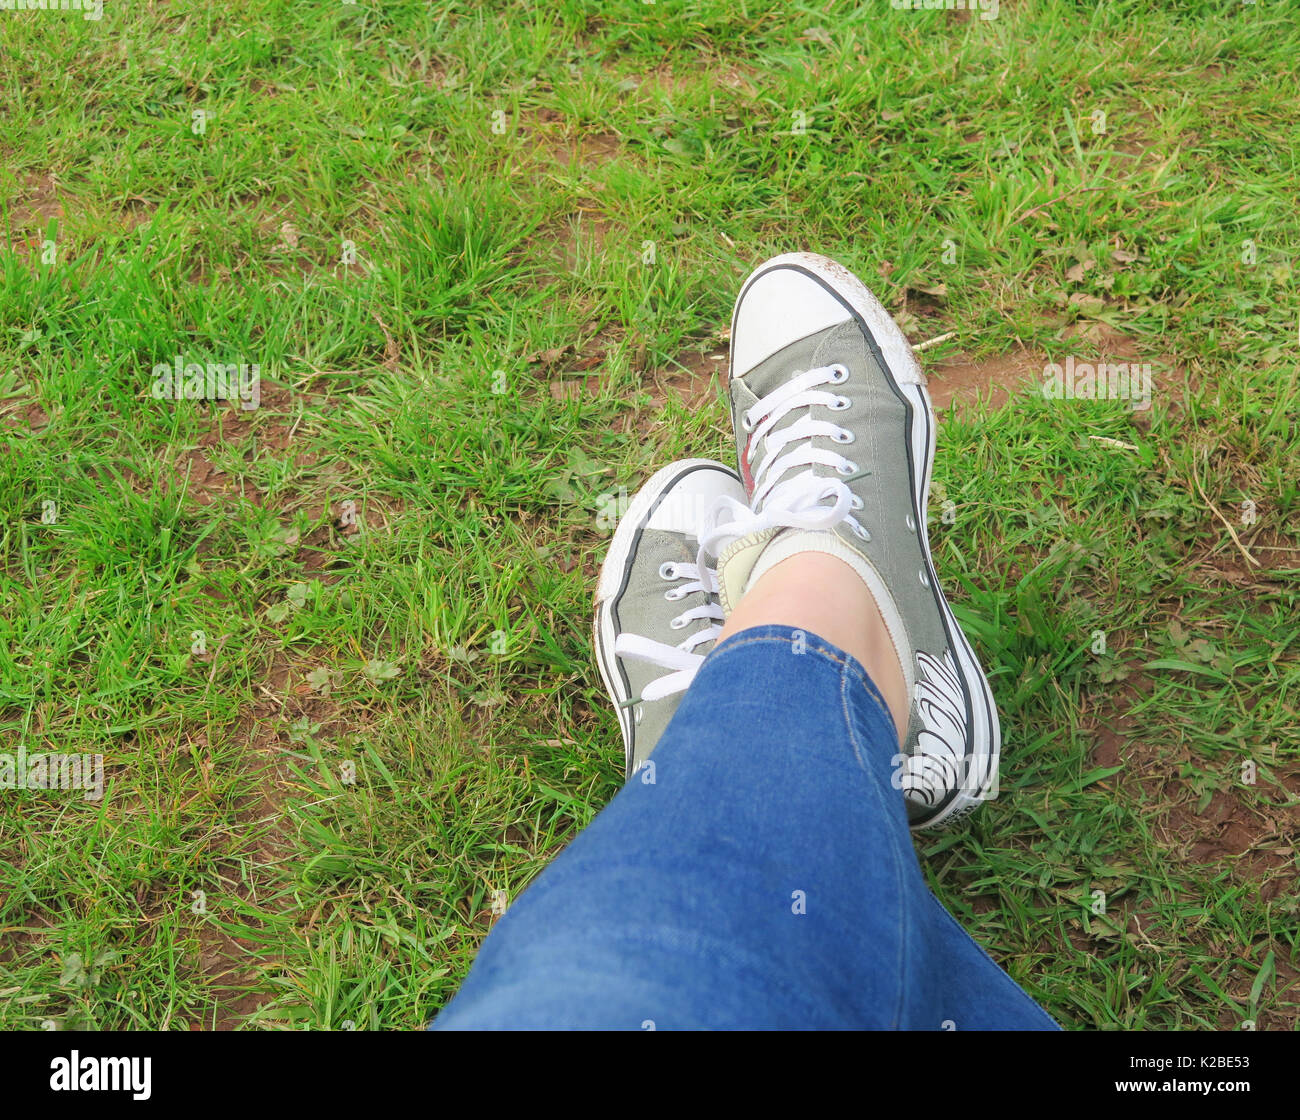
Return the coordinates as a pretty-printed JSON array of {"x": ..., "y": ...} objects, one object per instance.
[{"x": 897, "y": 859}]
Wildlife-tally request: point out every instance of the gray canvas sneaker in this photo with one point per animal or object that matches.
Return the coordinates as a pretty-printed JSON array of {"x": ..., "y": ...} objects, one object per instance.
[
  {"x": 657, "y": 611},
  {"x": 836, "y": 438}
]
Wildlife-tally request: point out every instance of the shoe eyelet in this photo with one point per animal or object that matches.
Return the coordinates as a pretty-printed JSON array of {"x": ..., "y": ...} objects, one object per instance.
[
  {"x": 746, "y": 423},
  {"x": 843, "y": 436},
  {"x": 861, "y": 533},
  {"x": 839, "y": 374},
  {"x": 856, "y": 503},
  {"x": 911, "y": 523},
  {"x": 847, "y": 468},
  {"x": 841, "y": 403},
  {"x": 667, "y": 570},
  {"x": 678, "y": 623},
  {"x": 925, "y": 579},
  {"x": 637, "y": 713}
]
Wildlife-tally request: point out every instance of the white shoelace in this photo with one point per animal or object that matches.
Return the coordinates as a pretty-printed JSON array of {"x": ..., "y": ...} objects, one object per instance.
[
  {"x": 679, "y": 658},
  {"x": 797, "y": 501}
]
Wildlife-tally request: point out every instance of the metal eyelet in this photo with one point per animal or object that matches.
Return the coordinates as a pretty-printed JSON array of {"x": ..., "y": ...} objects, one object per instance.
[
  {"x": 911, "y": 523},
  {"x": 839, "y": 374},
  {"x": 843, "y": 436},
  {"x": 861, "y": 533},
  {"x": 746, "y": 423},
  {"x": 925, "y": 579},
  {"x": 856, "y": 503},
  {"x": 637, "y": 713},
  {"x": 847, "y": 468},
  {"x": 841, "y": 403},
  {"x": 678, "y": 623},
  {"x": 667, "y": 570}
]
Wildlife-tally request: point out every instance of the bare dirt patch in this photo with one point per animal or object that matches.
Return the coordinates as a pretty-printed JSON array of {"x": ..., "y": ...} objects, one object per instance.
[
  {"x": 588, "y": 232},
  {"x": 1255, "y": 834},
  {"x": 587, "y": 149},
  {"x": 202, "y": 479},
  {"x": 697, "y": 379},
  {"x": 961, "y": 380},
  {"x": 137, "y": 211},
  {"x": 38, "y": 203},
  {"x": 20, "y": 414},
  {"x": 1113, "y": 736},
  {"x": 666, "y": 82},
  {"x": 206, "y": 484}
]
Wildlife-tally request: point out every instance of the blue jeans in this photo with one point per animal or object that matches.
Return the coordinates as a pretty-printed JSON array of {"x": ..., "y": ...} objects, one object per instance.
[{"x": 759, "y": 875}]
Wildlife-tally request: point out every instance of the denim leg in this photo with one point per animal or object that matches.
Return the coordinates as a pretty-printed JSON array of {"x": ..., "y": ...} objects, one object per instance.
[{"x": 759, "y": 874}]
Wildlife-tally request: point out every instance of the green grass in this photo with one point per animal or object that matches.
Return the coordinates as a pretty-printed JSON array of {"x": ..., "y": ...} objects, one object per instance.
[{"x": 306, "y": 820}]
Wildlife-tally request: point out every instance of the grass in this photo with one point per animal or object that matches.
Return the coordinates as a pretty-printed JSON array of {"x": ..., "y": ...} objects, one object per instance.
[{"x": 329, "y": 746}]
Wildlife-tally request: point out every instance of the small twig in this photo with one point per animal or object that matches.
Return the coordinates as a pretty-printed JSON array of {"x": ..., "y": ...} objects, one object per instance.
[
  {"x": 1226, "y": 524},
  {"x": 934, "y": 341},
  {"x": 215, "y": 654},
  {"x": 1058, "y": 198},
  {"x": 391, "y": 352},
  {"x": 301, "y": 413},
  {"x": 267, "y": 692}
]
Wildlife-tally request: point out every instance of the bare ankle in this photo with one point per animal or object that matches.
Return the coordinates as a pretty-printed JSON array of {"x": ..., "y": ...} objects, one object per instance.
[{"x": 823, "y": 595}]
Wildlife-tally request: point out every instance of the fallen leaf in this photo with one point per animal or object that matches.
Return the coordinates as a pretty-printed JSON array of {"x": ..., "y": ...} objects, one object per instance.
[
  {"x": 1086, "y": 303},
  {"x": 549, "y": 357},
  {"x": 324, "y": 680},
  {"x": 906, "y": 321},
  {"x": 939, "y": 291},
  {"x": 377, "y": 670}
]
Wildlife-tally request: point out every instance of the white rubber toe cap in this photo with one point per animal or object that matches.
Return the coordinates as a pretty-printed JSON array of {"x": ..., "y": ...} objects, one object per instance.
[
  {"x": 778, "y": 307},
  {"x": 797, "y": 294}
]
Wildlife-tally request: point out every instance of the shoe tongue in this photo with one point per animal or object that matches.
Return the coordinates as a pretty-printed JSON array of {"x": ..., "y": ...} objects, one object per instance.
[
  {"x": 735, "y": 564},
  {"x": 817, "y": 350},
  {"x": 771, "y": 373}
]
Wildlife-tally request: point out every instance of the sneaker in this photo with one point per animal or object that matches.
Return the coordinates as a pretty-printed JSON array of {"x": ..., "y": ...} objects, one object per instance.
[
  {"x": 657, "y": 610},
  {"x": 836, "y": 436}
]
